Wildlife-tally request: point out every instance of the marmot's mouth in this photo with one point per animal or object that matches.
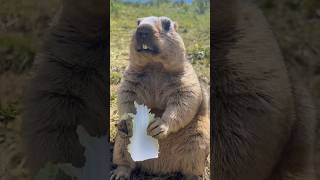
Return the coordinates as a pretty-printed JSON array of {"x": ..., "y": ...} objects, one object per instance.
[{"x": 144, "y": 48}]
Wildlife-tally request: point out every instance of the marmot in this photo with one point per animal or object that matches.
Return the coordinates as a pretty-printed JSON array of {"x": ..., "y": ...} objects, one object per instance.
[
  {"x": 68, "y": 87},
  {"x": 159, "y": 76},
  {"x": 264, "y": 120}
]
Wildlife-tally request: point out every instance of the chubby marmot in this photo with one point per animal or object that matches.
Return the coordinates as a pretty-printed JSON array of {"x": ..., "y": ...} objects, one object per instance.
[
  {"x": 264, "y": 123},
  {"x": 159, "y": 76}
]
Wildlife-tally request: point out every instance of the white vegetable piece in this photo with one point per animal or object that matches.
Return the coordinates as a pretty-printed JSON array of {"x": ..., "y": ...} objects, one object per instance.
[{"x": 142, "y": 146}]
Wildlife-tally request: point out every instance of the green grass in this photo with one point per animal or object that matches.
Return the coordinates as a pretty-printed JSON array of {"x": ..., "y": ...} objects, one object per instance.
[
  {"x": 192, "y": 26},
  {"x": 8, "y": 113},
  {"x": 22, "y": 23},
  {"x": 17, "y": 53}
]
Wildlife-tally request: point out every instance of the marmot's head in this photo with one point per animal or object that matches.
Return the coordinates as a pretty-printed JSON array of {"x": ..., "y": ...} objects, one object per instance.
[{"x": 156, "y": 41}]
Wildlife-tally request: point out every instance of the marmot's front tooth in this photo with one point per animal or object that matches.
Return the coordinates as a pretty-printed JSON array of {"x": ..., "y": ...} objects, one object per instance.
[{"x": 144, "y": 46}]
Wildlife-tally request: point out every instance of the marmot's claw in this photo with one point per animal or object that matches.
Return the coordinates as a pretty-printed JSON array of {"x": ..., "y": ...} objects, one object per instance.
[
  {"x": 121, "y": 173},
  {"x": 158, "y": 129},
  {"x": 124, "y": 127}
]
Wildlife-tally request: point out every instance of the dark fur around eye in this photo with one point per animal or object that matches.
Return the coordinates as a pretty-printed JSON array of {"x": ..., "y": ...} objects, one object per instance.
[
  {"x": 138, "y": 22},
  {"x": 166, "y": 24}
]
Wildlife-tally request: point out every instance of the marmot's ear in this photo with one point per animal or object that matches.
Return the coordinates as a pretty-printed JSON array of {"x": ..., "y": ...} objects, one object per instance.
[
  {"x": 175, "y": 26},
  {"x": 138, "y": 21}
]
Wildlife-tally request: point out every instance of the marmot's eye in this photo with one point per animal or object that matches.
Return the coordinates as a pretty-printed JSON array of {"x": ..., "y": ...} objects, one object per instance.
[
  {"x": 166, "y": 24},
  {"x": 138, "y": 21}
]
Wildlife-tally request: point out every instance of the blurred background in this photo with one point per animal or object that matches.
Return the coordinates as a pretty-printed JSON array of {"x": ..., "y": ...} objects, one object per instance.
[
  {"x": 22, "y": 24},
  {"x": 296, "y": 24}
]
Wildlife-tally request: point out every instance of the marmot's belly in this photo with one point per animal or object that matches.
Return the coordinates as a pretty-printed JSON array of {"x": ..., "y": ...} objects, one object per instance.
[{"x": 177, "y": 151}]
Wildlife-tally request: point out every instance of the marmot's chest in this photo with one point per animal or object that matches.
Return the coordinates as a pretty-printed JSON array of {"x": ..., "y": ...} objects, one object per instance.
[{"x": 155, "y": 87}]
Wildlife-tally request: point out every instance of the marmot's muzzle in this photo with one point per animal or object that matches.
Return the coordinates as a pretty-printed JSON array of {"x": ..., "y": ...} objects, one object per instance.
[{"x": 145, "y": 39}]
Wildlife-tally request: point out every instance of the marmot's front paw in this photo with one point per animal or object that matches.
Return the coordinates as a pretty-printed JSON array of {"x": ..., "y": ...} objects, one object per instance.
[
  {"x": 158, "y": 129},
  {"x": 121, "y": 173},
  {"x": 124, "y": 126}
]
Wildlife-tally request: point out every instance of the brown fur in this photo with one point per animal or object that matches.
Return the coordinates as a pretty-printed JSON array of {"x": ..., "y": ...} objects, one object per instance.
[
  {"x": 166, "y": 82},
  {"x": 264, "y": 118}
]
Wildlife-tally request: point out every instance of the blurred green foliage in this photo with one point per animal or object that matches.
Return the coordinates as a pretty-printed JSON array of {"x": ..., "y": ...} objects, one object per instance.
[
  {"x": 22, "y": 24},
  {"x": 8, "y": 113},
  {"x": 18, "y": 53}
]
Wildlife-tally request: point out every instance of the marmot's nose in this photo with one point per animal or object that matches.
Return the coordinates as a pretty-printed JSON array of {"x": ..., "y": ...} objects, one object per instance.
[{"x": 144, "y": 31}]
